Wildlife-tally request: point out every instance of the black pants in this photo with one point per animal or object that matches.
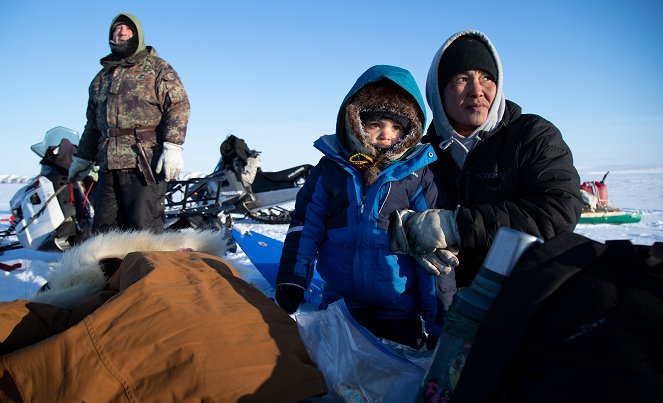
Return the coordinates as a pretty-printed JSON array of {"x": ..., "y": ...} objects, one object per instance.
[
  {"x": 408, "y": 331},
  {"x": 125, "y": 201}
]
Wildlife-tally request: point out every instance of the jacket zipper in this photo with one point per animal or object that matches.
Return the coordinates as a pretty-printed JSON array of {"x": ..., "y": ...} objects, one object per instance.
[{"x": 362, "y": 203}]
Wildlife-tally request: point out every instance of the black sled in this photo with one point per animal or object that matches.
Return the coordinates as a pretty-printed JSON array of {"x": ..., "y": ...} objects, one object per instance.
[{"x": 237, "y": 186}]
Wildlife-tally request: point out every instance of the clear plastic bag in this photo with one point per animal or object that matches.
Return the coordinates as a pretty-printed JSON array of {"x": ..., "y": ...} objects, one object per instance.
[{"x": 356, "y": 365}]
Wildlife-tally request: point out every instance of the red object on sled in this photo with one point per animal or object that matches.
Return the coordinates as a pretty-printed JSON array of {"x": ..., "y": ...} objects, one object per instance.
[
  {"x": 12, "y": 267},
  {"x": 598, "y": 189}
]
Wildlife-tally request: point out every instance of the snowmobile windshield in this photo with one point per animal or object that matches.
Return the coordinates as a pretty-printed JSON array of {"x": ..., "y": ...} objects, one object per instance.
[{"x": 53, "y": 138}]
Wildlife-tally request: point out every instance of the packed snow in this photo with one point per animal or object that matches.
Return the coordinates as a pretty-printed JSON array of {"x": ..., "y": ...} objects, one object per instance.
[{"x": 628, "y": 189}]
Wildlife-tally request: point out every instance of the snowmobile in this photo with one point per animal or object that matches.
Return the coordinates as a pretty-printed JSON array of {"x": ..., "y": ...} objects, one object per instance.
[
  {"x": 598, "y": 209},
  {"x": 48, "y": 211},
  {"x": 236, "y": 186}
]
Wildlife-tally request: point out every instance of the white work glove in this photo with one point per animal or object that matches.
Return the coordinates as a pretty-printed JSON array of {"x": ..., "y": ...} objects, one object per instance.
[
  {"x": 441, "y": 261},
  {"x": 421, "y": 232},
  {"x": 79, "y": 169},
  {"x": 427, "y": 236},
  {"x": 170, "y": 161}
]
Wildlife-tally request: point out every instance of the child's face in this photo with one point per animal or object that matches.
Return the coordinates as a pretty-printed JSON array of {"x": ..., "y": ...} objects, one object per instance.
[{"x": 384, "y": 133}]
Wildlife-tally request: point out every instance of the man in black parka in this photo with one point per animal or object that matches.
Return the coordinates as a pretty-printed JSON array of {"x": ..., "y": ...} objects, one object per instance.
[{"x": 500, "y": 167}]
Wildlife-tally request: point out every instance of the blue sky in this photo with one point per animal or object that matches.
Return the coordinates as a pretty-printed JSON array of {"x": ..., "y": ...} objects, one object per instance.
[{"x": 274, "y": 73}]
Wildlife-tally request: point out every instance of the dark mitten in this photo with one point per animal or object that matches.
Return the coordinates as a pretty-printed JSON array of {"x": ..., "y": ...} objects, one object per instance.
[
  {"x": 431, "y": 342},
  {"x": 289, "y": 296}
]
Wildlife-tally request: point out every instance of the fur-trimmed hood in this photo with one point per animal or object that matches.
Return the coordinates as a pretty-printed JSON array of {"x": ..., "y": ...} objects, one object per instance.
[
  {"x": 83, "y": 269},
  {"x": 381, "y": 88}
]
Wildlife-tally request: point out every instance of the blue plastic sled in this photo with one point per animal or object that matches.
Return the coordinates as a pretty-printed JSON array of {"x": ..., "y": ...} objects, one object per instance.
[{"x": 265, "y": 254}]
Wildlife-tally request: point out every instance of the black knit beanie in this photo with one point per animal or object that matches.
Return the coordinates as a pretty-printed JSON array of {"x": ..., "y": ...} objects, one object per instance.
[{"x": 465, "y": 53}]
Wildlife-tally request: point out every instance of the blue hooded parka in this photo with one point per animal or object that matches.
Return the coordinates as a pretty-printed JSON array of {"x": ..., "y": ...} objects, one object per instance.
[{"x": 340, "y": 224}]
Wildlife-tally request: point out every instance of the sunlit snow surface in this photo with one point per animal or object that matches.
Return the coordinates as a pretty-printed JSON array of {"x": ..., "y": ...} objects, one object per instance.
[{"x": 629, "y": 189}]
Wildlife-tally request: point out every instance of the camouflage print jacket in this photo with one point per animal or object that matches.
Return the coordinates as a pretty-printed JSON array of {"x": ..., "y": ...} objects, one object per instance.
[{"x": 141, "y": 90}]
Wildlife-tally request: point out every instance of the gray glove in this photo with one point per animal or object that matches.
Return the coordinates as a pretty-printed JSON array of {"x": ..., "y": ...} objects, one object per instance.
[
  {"x": 441, "y": 261},
  {"x": 170, "y": 161},
  {"x": 79, "y": 169},
  {"x": 427, "y": 231}
]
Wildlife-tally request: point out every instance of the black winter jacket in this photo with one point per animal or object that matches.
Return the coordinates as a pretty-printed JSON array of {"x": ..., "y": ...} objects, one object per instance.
[
  {"x": 520, "y": 176},
  {"x": 578, "y": 321}
]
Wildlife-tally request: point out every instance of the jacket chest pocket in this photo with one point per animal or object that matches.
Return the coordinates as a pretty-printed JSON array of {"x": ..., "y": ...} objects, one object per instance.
[
  {"x": 115, "y": 81},
  {"x": 488, "y": 185}
]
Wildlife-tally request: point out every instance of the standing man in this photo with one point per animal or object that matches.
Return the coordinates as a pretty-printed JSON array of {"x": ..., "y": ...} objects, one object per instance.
[
  {"x": 137, "y": 117},
  {"x": 499, "y": 166}
]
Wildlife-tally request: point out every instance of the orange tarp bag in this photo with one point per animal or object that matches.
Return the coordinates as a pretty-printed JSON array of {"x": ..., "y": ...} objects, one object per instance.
[{"x": 170, "y": 326}]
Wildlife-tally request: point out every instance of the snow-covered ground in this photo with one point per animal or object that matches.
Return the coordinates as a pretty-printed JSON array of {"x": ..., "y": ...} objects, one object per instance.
[
  {"x": 629, "y": 189},
  {"x": 34, "y": 265}
]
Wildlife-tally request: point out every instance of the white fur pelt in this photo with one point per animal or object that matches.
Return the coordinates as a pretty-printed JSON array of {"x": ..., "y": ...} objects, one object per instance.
[{"x": 78, "y": 273}]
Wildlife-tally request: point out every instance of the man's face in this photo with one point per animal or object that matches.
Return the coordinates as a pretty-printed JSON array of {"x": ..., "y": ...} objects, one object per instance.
[
  {"x": 122, "y": 33},
  {"x": 384, "y": 133},
  {"x": 467, "y": 99}
]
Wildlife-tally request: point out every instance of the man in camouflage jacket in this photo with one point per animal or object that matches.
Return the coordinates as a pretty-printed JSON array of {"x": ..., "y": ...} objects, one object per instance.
[{"x": 137, "y": 117}]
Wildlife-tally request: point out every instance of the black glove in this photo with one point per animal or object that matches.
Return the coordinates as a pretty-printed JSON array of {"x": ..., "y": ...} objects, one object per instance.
[
  {"x": 431, "y": 342},
  {"x": 289, "y": 296}
]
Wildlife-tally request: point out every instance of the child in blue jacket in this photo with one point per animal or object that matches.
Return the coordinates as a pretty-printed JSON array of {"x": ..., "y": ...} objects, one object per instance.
[{"x": 372, "y": 166}]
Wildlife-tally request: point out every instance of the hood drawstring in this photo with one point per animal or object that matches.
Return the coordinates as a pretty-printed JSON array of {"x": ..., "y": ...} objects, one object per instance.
[
  {"x": 370, "y": 167},
  {"x": 361, "y": 160},
  {"x": 447, "y": 143},
  {"x": 459, "y": 153}
]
